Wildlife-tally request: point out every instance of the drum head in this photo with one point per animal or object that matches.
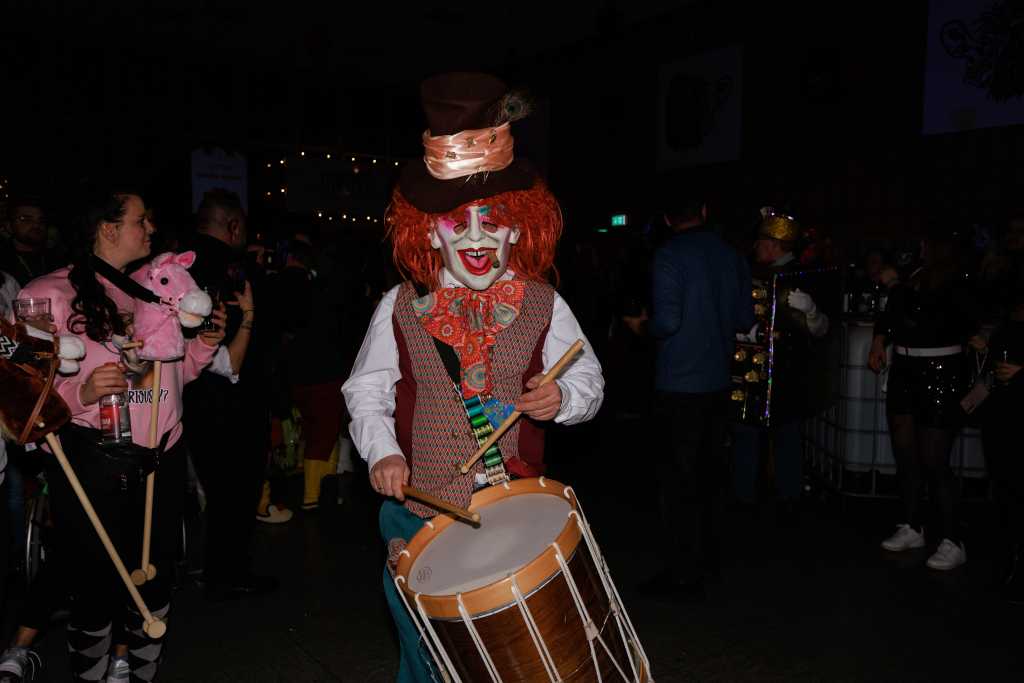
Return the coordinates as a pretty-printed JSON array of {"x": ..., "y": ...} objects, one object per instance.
[{"x": 512, "y": 532}]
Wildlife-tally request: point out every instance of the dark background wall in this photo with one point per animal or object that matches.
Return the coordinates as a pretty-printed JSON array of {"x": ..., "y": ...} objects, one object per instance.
[
  {"x": 832, "y": 106},
  {"x": 832, "y": 99},
  {"x": 77, "y": 105}
]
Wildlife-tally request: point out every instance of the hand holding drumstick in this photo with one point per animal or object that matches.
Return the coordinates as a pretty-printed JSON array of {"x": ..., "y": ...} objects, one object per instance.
[
  {"x": 540, "y": 404},
  {"x": 389, "y": 474},
  {"x": 389, "y": 477}
]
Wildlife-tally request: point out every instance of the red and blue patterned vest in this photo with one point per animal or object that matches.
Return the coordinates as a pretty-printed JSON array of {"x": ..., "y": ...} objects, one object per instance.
[{"x": 430, "y": 421}]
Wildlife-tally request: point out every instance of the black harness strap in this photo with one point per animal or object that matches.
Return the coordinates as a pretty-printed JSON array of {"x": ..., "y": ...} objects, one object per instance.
[
  {"x": 449, "y": 358},
  {"x": 123, "y": 282}
]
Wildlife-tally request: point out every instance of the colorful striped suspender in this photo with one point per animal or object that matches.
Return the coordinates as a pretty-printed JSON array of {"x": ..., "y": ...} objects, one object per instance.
[{"x": 482, "y": 428}]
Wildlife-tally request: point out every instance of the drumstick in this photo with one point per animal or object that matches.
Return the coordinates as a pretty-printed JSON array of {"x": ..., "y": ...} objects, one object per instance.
[
  {"x": 132, "y": 345},
  {"x": 153, "y": 627},
  {"x": 148, "y": 571},
  {"x": 438, "y": 503},
  {"x": 550, "y": 375}
]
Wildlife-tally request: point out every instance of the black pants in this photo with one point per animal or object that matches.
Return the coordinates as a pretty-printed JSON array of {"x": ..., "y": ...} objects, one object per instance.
[
  {"x": 100, "y": 602},
  {"x": 1002, "y": 438},
  {"x": 689, "y": 446},
  {"x": 50, "y": 586},
  {"x": 230, "y": 461}
]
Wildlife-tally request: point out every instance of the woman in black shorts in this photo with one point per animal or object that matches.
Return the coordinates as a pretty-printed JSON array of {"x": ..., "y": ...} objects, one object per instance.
[{"x": 929, "y": 320}]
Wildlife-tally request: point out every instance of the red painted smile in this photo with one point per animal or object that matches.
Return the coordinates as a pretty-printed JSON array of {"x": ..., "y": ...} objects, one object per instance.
[{"x": 476, "y": 261}]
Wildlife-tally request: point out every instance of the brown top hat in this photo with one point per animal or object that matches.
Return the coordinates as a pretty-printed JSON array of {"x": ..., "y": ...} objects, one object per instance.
[{"x": 471, "y": 103}]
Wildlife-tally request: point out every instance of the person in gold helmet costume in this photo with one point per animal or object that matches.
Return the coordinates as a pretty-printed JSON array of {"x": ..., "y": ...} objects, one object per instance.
[{"x": 775, "y": 249}]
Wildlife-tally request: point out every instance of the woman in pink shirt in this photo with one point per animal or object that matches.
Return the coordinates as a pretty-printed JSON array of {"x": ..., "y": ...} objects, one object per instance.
[{"x": 110, "y": 223}]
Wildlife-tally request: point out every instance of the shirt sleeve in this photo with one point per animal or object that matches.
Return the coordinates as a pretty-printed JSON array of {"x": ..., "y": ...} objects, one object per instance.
[
  {"x": 221, "y": 364},
  {"x": 669, "y": 281},
  {"x": 818, "y": 325},
  {"x": 8, "y": 293},
  {"x": 370, "y": 390},
  {"x": 197, "y": 356},
  {"x": 581, "y": 381}
]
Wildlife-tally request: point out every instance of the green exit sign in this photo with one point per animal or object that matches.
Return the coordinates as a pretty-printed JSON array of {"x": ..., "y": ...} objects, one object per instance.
[{"x": 619, "y": 220}]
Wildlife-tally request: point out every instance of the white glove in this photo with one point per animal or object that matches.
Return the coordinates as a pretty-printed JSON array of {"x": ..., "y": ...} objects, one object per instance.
[{"x": 802, "y": 302}]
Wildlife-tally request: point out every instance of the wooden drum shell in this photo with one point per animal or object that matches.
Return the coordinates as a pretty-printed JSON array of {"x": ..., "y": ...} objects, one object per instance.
[
  {"x": 500, "y": 622},
  {"x": 507, "y": 640}
]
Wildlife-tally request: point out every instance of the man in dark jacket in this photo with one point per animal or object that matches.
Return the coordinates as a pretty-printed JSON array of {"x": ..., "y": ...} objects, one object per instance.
[
  {"x": 227, "y": 425},
  {"x": 26, "y": 257},
  {"x": 701, "y": 298}
]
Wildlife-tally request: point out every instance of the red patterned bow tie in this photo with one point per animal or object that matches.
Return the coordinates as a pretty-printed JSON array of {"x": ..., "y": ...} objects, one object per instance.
[{"x": 468, "y": 320}]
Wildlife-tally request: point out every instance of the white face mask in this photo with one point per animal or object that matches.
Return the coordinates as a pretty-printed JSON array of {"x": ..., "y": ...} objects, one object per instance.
[{"x": 465, "y": 246}]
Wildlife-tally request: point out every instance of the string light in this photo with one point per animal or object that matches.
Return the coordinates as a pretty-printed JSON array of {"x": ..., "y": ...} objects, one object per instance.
[
  {"x": 330, "y": 218},
  {"x": 374, "y": 220},
  {"x": 345, "y": 216},
  {"x": 282, "y": 189},
  {"x": 353, "y": 158},
  {"x": 268, "y": 165},
  {"x": 328, "y": 156},
  {"x": 320, "y": 213},
  {"x": 282, "y": 161},
  {"x": 268, "y": 193},
  {"x": 396, "y": 163},
  {"x": 353, "y": 220},
  {"x": 367, "y": 218},
  {"x": 374, "y": 161},
  {"x": 302, "y": 154}
]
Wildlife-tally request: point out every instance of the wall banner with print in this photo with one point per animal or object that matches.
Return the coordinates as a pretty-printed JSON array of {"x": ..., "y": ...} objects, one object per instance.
[
  {"x": 699, "y": 108},
  {"x": 974, "y": 67},
  {"x": 218, "y": 172}
]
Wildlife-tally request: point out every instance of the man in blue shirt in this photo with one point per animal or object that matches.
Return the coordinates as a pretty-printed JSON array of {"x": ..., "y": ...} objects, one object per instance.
[{"x": 701, "y": 298}]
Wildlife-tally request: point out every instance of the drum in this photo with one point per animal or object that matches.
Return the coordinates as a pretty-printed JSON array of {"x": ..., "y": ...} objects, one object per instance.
[{"x": 523, "y": 595}]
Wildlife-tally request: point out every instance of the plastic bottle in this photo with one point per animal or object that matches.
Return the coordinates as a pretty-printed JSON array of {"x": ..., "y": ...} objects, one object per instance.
[{"x": 115, "y": 419}]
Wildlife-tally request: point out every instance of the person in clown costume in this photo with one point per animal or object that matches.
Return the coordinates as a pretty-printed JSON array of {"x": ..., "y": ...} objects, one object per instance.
[{"x": 475, "y": 324}]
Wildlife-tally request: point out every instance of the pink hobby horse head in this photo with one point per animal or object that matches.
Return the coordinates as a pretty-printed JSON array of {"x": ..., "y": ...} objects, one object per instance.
[{"x": 183, "y": 304}]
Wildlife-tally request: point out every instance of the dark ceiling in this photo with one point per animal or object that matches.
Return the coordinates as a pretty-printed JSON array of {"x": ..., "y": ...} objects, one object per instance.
[{"x": 399, "y": 42}]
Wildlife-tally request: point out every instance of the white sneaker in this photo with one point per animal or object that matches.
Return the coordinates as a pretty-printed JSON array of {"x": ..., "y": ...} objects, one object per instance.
[
  {"x": 904, "y": 538},
  {"x": 276, "y": 514},
  {"x": 948, "y": 556},
  {"x": 118, "y": 671},
  {"x": 15, "y": 661}
]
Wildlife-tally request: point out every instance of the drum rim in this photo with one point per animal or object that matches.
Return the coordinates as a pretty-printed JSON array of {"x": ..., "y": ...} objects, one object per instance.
[
  {"x": 511, "y": 603},
  {"x": 498, "y": 595}
]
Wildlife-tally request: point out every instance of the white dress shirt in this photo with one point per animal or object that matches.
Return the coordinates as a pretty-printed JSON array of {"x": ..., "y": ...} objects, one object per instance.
[
  {"x": 370, "y": 389},
  {"x": 221, "y": 364}
]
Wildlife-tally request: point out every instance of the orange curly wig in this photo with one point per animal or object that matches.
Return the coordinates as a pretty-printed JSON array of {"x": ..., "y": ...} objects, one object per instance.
[{"x": 535, "y": 212}]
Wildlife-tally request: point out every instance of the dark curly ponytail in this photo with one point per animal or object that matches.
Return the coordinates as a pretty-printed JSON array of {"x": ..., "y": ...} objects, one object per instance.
[{"x": 91, "y": 205}]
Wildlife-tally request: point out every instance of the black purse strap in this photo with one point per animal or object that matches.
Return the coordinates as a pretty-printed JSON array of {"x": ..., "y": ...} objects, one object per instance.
[{"x": 123, "y": 282}]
